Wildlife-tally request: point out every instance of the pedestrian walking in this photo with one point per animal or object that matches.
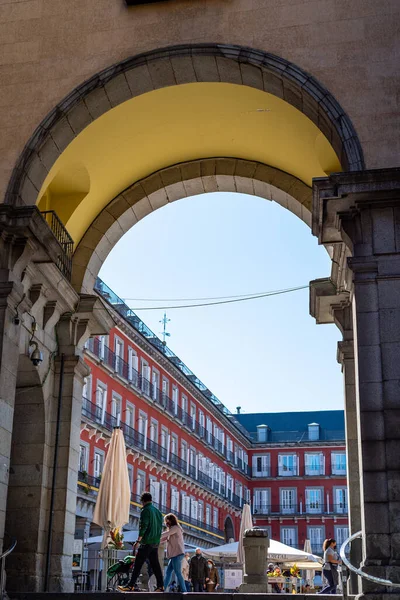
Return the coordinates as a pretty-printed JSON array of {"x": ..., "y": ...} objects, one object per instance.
[
  {"x": 198, "y": 571},
  {"x": 213, "y": 576},
  {"x": 175, "y": 551},
  {"x": 185, "y": 571},
  {"x": 330, "y": 565},
  {"x": 150, "y": 527}
]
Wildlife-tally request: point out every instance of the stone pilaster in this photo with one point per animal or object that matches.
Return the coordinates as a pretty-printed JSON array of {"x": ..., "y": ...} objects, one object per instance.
[{"x": 362, "y": 210}]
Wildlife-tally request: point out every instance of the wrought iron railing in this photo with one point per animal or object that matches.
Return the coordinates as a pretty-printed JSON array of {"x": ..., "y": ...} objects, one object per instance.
[
  {"x": 64, "y": 260},
  {"x": 134, "y": 439},
  {"x": 300, "y": 509},
  {"x": 91, "y": 482},
  {"x": 155, "y": 394}
]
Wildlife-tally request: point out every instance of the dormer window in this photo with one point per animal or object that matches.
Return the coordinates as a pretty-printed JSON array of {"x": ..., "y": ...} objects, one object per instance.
[
  {"x": 313, "y": 432},
  {"x": 262, "y": 433}
]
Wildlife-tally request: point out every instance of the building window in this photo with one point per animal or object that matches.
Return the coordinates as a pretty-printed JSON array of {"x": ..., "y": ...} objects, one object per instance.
[
  {"x": 164, "y": 494},
  {"x": 185, "y": 505},
  {"x": 184, "y": 449},
  {"x": 145, "y": 387},
  {"x": 193, "y": 416},
  {"x": 201, "y": 423},
  {"x": 87, "y": 387},
  {"x": 215, "y": 518},
  {"x": 261, "y": 465},
  {"x": 200, "y": 511},
  {"x": 313, "y": 432},
  {"x": 185, "y": 415},
  {"x": 174, "y": 444},
  {"x": 153, "y": 431},
  {"x": 341, "y": 534},
  {"x": 288, "y": 501},
  {"x": 316, "y": 535},
  {"x": 119, "y": 355},
  {"x": 338, "y": 463},
  {"x": 208, "y": 514},
  {"x": 101, "y": 401},
  {"x": 262, "y": 433},
  {"x": 194, "y": 509},
  {"x": 165, "y": 391},
  {"x": 261, "y": 502},
  {"x": 133, "y": 367},
  {"x": 314, "y": 464},
  {"x": 174, "y": 499},
  {"x": 98, "y": 463},
  {"x": 140, "y": 483},
  {"x": 209, "y": 431},
  {"x": 130, "y": 415},
  {"x": 175, "y": 398},
  {"x": 155, "y": 490},
  {"x": 314, "y": 500},
  {"x": 130, "y": 475},
  {"x": 289, "y": 536},
  {"x": 83, "y": 457},
  {"x": 287, "y": 465},
  {"x": 340, "y": 501},
  {"x": 116, "y": 402},
  {"x": 155, "y": 385}
]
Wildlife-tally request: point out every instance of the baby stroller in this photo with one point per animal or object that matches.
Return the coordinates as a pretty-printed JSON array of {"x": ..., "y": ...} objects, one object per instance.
[{"x": 119, "y": 573}]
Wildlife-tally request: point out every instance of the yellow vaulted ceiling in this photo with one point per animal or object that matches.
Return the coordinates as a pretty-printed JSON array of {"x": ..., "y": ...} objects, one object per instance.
[{"x": 173, "y": 125}]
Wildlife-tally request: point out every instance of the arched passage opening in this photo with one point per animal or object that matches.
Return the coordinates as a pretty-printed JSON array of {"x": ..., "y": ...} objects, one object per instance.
[
  {"x": 174, "y": 123},
  {"x": 229, "y": 530}
]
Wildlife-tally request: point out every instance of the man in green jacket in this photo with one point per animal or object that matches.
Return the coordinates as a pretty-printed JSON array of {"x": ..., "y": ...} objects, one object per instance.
[{"x": 150, "y": 527}]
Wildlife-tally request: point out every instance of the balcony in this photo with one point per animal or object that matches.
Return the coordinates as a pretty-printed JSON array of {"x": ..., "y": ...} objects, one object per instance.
[
  {"x": 136, "y": 440},
  {"x": 64, "y": 259},
  {"x": 91, "y": 486},
  {"x": 155, "y": 394},
  {"x": 300, "y": 509}
]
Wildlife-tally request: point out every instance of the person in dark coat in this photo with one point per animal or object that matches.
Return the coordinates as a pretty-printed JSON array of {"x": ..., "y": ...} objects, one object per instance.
[{"x": 198, "y": 571}]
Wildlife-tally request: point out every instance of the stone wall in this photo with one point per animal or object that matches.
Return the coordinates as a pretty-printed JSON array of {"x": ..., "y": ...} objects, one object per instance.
[{"x": 48, "y": 47}]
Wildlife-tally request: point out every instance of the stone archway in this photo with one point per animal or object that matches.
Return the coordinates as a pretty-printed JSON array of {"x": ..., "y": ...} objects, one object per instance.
[
  {"x": 170, "y": 67},
  {"x": 174, "y": 183},
  {"x": 229, "y": 530}
]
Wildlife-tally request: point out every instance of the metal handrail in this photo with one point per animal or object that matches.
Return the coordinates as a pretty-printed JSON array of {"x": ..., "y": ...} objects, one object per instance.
[
  {"x": 2, "y": 570},
  {"x": 354, "y": 569}
]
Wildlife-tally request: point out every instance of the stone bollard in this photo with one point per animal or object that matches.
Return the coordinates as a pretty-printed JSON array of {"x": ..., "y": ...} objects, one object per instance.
[{"x": 255, "y": 545}]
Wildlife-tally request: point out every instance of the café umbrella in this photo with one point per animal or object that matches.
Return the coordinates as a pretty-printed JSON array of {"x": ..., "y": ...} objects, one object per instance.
[
  {"x": 113, "y": 500},
  {"x": 246, "y": 523}
]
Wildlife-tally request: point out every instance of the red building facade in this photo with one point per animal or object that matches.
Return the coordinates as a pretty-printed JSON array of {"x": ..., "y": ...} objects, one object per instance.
[{"x": 197, "y": 459}]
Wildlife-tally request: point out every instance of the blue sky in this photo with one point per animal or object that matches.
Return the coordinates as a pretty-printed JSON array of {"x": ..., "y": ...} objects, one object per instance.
[{"x": 263, "y": 355}]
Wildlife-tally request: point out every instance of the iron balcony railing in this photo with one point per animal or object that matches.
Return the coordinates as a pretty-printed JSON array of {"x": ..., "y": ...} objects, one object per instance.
[
  {"x": 154, "y": 393},
  {"x": 274, "y": 471},
  {"x": 300, "y": 509},
  {"x": 136, "y": 440},
  {"x": 64, "y": 260},
  {"x": 92, "y": 485}
]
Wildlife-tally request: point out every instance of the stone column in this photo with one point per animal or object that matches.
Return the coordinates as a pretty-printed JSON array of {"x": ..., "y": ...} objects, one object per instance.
[
  {"x": 345, "y": 356},
  {"x": 328, "y": 305},
  {"x": 10, "y": 296},
  {"x": 362, "y": 211}
]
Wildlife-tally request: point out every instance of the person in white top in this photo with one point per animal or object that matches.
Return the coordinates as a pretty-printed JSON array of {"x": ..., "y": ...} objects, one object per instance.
[
  {"x": 175, "y": 551},
  {"x": 329, "y": 569}
]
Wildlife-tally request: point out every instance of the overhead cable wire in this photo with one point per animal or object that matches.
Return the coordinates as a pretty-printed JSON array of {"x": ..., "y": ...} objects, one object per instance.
[{"x": 244, "y": 299}]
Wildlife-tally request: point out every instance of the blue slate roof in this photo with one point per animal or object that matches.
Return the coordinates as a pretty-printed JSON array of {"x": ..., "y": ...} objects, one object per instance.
[{"x": 293, "y": 426}]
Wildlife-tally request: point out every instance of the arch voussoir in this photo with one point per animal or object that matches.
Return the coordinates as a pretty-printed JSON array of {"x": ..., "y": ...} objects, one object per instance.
[{"x": 224, "y": 174}]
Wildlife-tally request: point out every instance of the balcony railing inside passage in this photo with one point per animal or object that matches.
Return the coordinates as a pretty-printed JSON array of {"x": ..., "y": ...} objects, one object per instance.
[
  {"x": 155, "y": 394},
  {"x": 137, "y": 440},
  {"x": 92, "y": 484},
  {"x": 64, "y": 260},
  {"x": 123, "y": 309},
  {"x": 301, "y": 509}
]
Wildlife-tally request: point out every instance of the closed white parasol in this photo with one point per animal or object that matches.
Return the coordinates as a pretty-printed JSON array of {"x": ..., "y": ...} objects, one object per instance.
[{"x": 113, "y": 500}]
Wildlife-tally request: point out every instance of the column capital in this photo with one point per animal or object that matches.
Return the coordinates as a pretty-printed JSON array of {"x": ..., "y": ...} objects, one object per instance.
[
  {"x": 340, "y": 198},
  {"x": 345, "y": 351}
]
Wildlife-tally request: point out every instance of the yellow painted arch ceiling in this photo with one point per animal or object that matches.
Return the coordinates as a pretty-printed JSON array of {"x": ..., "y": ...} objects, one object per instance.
[{"x": 178, "y": 124}]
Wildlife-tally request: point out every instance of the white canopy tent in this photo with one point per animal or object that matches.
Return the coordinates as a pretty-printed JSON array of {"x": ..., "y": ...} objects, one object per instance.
[{"x": 277, "y": 552}]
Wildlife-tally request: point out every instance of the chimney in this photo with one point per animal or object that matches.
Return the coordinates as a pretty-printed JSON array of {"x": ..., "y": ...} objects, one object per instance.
[{"x": 238, "y": 409}]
